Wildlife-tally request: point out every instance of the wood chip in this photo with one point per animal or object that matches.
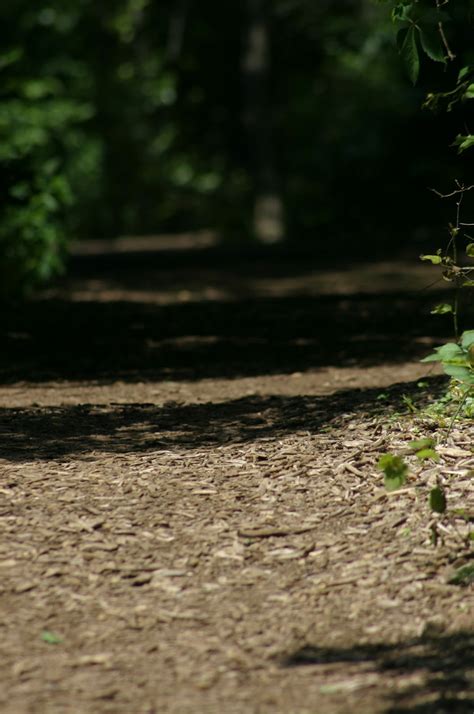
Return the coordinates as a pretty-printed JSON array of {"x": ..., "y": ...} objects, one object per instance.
[{"x": 269, "y": 531}]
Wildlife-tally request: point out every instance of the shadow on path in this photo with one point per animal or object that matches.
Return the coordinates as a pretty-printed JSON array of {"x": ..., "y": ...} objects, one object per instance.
[
  {"x": 61, "y": 339},
  {"x": 444, "y": 662},
  {"x": 55, "y": 432}
]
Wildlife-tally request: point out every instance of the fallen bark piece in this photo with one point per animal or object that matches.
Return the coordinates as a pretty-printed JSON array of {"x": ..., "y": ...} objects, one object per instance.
[
  {"x": 453, "y": 451},
  {"x": 269, "y": 531}
]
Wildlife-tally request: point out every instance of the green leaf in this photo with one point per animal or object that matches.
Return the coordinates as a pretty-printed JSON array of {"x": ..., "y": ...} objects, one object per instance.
[
  {"x": 467, "y": 339},
  {"x": 51, "y": 638},
  {"x": 463, "y": 576},
  {"x": 421, "y": 444},
  {"x": 435, "y": 259},
  {"x": 402, "y": 12},
  {"x": 464, "y": 142},
  {"x": 432, "y": 44},
  {"x": 442, "y": 309},
  {"x": 424, "y": 454},
  {"x": 10, "y": 57},
  {"x": 410, "y": 56},
  {"x": 469, "y": 93},
  {"x": 425, "y": 449},
  {"x": 434, "y": 357},
  {"x": 462, "y": 374},
  {"x": 437, "y": 500},
  {"x": 408, "y": 401},
  {"x": 467, "y": 516},
  {"x": 450, "y": 351},
  {"x": 464, "y": 72},
  {"x": 393, "y": 483},
  {"x": 395, "y": 471},
  {"x": 470, "y": 250}
]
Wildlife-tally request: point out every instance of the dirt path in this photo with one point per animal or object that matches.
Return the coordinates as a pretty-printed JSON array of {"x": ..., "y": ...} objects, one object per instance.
[{"x": 192, "y": 519}]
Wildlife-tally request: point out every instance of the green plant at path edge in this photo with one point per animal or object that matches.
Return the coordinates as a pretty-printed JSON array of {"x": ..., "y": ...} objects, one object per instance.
[
  {"x": 457, "y": 359},
  {"x": 436, "y": 30}
]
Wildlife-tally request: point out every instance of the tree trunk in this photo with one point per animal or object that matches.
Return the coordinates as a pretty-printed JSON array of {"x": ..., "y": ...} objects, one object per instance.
[
  {"x": 177, "y": 26},
  {"x": 268, "y": 210}
]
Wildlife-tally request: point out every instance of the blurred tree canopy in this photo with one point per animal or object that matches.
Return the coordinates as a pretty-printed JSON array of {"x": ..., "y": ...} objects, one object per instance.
[{"x": 289, "y": 118}]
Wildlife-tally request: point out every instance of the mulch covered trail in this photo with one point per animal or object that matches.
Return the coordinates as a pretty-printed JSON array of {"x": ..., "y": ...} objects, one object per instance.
[{"x": 191, "y": 515}]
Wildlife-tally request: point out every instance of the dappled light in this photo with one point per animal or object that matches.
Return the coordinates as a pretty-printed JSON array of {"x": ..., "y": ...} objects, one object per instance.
[
  {"x": 173, "y": 316},
  {"x": 236, "y": 357},
  {"x": 54, "y": 432}
]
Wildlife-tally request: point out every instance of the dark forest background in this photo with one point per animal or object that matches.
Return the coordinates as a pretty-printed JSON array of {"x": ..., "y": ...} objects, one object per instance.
[{"x": 287, "y": 121}]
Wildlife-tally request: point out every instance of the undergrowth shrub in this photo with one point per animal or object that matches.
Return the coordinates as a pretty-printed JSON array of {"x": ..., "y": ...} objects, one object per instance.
[
  {"x": 38, "y": 119},
  {"x": 436, "y": 30}
]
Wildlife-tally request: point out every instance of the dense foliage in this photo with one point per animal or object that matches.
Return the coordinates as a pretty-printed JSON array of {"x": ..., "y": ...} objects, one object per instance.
[
  {"x": 138, "y": 116},
  {"x": 39, "y": 119}
]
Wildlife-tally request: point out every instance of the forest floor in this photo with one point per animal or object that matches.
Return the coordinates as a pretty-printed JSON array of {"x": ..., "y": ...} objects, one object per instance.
[{"x": 192, "y": 519}]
